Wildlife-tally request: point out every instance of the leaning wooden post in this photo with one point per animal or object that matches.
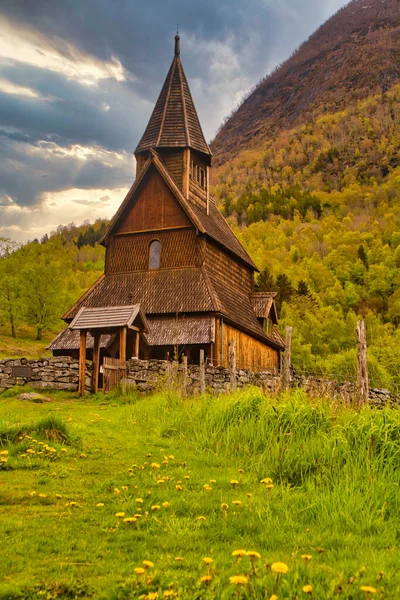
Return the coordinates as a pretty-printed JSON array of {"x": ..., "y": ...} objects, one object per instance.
[
  {"x": 362, "y": 370},
  {"x": 96, "y": 360},
  {"x": 184, "y": 375},
  {"x": 232, "y": 365},
  {"x": 287, "y": 359},
  {"x": 82, "y": 362},
  {"x": 202, "y": 373}
]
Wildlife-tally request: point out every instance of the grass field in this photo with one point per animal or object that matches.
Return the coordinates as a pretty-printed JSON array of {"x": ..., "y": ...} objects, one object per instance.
[
  {"x": 24, "y": 345},
  {"x": 187, "y": 475}
]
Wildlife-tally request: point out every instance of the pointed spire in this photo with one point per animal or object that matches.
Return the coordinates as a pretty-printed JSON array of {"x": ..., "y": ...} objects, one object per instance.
[{"x": 174, "y": 122}]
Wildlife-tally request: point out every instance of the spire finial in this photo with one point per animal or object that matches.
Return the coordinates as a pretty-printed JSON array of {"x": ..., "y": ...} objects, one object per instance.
[{"x": 177, "y": 43}]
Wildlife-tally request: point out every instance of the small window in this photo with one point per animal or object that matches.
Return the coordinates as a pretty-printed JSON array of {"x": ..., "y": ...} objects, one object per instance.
[{"x": 154, "y": 254}]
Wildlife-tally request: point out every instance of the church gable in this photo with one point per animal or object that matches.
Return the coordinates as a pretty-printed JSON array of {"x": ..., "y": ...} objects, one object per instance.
[{"x": 152, "y": 207}]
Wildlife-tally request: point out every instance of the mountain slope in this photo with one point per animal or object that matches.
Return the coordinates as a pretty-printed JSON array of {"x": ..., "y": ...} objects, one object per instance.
[{"x": 356, "y": 53}]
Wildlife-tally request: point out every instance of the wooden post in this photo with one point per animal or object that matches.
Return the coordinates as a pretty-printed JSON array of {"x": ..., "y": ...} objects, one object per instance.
[
  {"x": 287, "y": 360},
  {"x": 96, "y": 361},
  {"x": 217, "y": 342},
  {"x": 184, "y": 374},
  {"x": 232, "y": 365},
  {"x": 362, "y": 370},
  {"x": 82, "y": 362},
  {"x": 202, "y": 373},
  {"x": 122, "y": 357},
  {"x": 136, "y": 345}
]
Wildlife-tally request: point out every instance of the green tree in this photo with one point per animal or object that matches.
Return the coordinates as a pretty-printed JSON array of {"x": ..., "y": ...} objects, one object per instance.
[
  {"x": 10, "y": 287},
  {"x": 265, "y": 281}
]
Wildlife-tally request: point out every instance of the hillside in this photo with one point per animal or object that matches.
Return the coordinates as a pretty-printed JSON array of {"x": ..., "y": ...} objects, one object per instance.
[{"x": 355, "y": 54}]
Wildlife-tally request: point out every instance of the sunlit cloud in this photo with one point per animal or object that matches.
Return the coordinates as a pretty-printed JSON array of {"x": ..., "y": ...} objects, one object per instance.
[
  {"x": 20, "y": 44},
  {"x": 8, "y": 87}
]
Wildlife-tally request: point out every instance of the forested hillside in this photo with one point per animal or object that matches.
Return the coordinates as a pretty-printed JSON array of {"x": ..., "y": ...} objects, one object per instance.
[{"x": 355, "y": 54}]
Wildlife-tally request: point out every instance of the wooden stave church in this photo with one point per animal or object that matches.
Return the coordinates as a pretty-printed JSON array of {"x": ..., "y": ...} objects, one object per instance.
[{"x": 169, "y": 250}]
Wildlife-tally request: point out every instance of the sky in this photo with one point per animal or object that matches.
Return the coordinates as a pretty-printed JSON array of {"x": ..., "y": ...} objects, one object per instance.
[{"x": 79, "y": 80}]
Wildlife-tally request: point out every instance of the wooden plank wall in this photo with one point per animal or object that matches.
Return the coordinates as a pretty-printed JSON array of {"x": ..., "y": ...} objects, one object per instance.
[
  {"x": 155, "y": 207},
  {"x": 250, "y": 353},
  {"x": 227, "y": 269}
]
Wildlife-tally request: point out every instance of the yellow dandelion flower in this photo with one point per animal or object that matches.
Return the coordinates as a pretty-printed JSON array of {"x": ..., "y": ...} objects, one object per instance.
[
  {"x": 82, "y": 455},
  {"x": 166, "y": 504},
  {"x": 100, "y": 504},
  {"x": 147, "y": 564},
  {"x": 269, "y": 486},
  {"x": 155, "y": 465},
  {"x": 207, "y": 487},
  {"x": 64, "y": 450},
  {"x": 169, "y": 594},
  {"x": 307, "y": 589},
  {"x": 116, "y": 491},
  {"x": 279, "y": 567},
  {"x": 234, "y": 482},
  {"x": 171, "y": 457},
  {"x": 160, "y": 481},
  {"x": 239, "y": 553},
  {"x": 236, "y": 502},
  {"x": 266, "y": 480},
  {"x": 42, "y": 495},
  {"x": 186, "y": 477},
  {"x": 202, "y": 518},
  {"x": 4, "y": 459},
  {"x": 155, "y": 507},
  {"x": 179, "y": 488},
  {"x": 4, "y": 453},
  {"x": 179, "y": 558},
  {"x": 120, "y": 514},
  {"x": 368, "y": 589},
  {"x": 253, "y": 554},
  {"x": 249, "y": 495},
  {"x": 130, "y": 520},
  {"x": 207, "y": 560},
  {"x": 239, "y": 580},
  {"x": 139, "y": 500},
  {"x": 224, "y": 506},
  {"x": 274, "y": 597},
  {"x": 206, "y": 579},
  {"x": 140, "y": 571},
  {"x": 58, "y": 496},
  {"x": 152, "y": 596},
  {"x": 306, "y": 557},
  {"x": 213, "y": 481},
  {"x": 137, "y": 516},
  {"x": 241, "y": 471},
  {"x": 32, "y": 493},
  {"x": 124, "y": 488}
]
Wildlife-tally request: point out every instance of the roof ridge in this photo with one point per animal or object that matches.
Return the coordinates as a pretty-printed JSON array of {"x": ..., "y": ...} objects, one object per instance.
[{"x": 172, "y": 71}]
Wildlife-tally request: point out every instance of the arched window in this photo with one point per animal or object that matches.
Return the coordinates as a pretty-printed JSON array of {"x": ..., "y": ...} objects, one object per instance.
[{"x": 154, "y": 254}]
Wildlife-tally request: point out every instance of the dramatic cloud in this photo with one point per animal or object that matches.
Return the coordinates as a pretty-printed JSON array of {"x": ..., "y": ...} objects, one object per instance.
[{"x": 78, "y": 81}]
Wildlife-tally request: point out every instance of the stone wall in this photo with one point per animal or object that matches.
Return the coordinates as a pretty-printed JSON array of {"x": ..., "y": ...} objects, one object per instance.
[
  {"x": 62, "y": 373},
  {"x": 58, "y": 373}
]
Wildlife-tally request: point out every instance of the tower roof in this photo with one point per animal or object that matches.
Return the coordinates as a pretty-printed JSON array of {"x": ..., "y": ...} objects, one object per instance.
[{"x": 174, "y": 122}]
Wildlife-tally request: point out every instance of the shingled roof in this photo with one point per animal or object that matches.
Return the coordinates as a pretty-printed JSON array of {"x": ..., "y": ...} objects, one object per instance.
[{"x": 174, "y": 122}]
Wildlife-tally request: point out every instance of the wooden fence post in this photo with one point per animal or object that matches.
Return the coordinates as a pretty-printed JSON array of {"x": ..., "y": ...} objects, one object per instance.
[
  {"x": 232, "y": 365},
  {"x": 202, "y": 373},
  {"x": 362, "y": 370},
  {"x": 184, "y": 375},
  {"x": 287, "y": 359}
]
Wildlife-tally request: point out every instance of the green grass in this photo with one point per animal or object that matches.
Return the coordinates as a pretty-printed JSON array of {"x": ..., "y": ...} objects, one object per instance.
[
  {"x": 335, "y": 472},
  {"x": 24, "y": 345}
]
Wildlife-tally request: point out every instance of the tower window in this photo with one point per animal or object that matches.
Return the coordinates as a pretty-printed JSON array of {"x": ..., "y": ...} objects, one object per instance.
[
  {"x": 154, "y": 254},
  {"x": 198, "y": 174}
]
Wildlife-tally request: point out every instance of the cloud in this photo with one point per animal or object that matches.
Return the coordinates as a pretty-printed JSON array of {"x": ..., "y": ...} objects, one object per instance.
[{"x": 78, "y": 82}]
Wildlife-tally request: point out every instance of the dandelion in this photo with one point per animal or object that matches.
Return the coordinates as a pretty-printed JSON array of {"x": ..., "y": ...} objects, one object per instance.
[
  {"x": 166, "y": 504},
  {"x": 274, "y": 597},
  {"x": 234, "y": 482},
  {"x": 4, "y": 459},
  {"x": 266, "y": 480},
  {"x": 124, "y": 488},
  {"x": 280, "y": 568},
  {"x": 236, "y": 502},
  {"x": 169, "y": 594},
  {"x": 252, "y": 554},
  {"x": 306, "y": 557},
  {"x": 139, "y": 500},
  {"x": 155, "y": 507},
  {"x": 224, "y": 506},
  {"x": 307, "y": 589},
  {"x": 147, "y": 564},
  {"x": 179, "y": 558},
  {"x": 155, "y": 465},
  {"x": 206, "y": 579},
  {"x": 58, "y": 496},
  {"x": 202, "y": 518},
  {"x": 32, "y": 493},
  {"x": 239, "y": 580},
  {"x": 64, "y": 450},
  {"x": 100, "y": 504},
  {"x": 152, "y": 596},
  {"x": 42, "y": 495},
  {"x": 4, "y": 453},
  {"x": 171, "y": 457},
  {"x": 249, "y": 495},
  {"x": 207, "y": 560},
  {"x": 186, "y": 477},
  {"x": 120, "y": 514},
  {"x": 241, "y": 471},
  {"x": 213, "y": 481},
  {"x": 239, "y": 554},
  {"x": 179, "y": 488},
  {"x": 116, "y": 491},
  {"x": 82, "y": 455},
  {"x": 207, "y": 487},
  {"x": 160, "y": 481},
  {"x": 140, "y": 571},
  {"x": 130, "y": 520},
  {"x": 368, "y": 589}
]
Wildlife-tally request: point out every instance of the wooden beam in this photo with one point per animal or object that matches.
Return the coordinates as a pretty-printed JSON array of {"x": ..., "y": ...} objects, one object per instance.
[
  {"x": 287, "y": 359},
  {"x": 186, "y": 172},
  {"x": 82, "y": 362},
  {"x": 136, "y": 345},
  {"x": 362, "y": 370},
  {"x": 217, "y": 343},
  {"x": 122, "y": 345},
  {"x": 96, "y": 362}
]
